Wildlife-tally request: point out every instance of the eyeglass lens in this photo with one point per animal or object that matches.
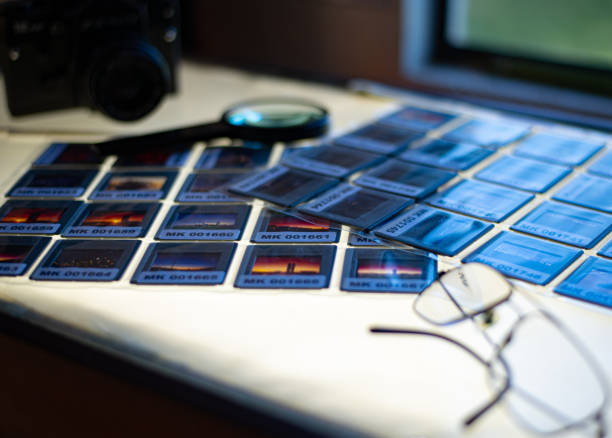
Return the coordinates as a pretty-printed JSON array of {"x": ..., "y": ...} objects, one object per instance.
[
  {"x": 462, "y": 292},
  {"x": 554, "y": 385}
]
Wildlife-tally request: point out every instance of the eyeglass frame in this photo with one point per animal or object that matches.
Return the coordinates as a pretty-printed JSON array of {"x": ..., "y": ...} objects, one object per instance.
[{"x": 596, "y": 416}]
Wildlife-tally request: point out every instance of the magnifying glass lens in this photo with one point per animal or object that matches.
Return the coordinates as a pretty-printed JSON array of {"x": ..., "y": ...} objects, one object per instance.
[{"x": 274, "y": 115}]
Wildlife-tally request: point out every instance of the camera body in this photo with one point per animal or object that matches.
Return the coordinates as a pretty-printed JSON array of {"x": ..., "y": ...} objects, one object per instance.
[{"x": 117, "y": 56}]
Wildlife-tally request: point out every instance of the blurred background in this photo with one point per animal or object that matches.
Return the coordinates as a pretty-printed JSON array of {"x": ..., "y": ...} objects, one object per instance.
[
  {"x": 516, "y": 52},
  {"x": 329, "y": 39},
  {"x": 344, "y": 39}
]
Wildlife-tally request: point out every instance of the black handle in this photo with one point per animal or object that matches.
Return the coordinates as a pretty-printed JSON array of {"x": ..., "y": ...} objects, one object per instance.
[{"x": 179, "y": 138}]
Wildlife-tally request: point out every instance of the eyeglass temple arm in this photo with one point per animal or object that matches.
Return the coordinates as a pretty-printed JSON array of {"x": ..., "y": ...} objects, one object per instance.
[{"x": 481, "y": 411}]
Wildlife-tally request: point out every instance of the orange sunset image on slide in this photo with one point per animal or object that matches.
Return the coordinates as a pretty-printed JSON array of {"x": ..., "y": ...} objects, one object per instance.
[
  {"x": 114, "y": 218},
  {"x": 32, "y": 215},
  {"x": 386, "y": 268},
  {"x": 133, "y": 182},
  {"x": 190, "y": 261},
  {"x": 281, "y": 222},
  {"x": 13, "y": 253},
  {"x": 286, "y": 265}
]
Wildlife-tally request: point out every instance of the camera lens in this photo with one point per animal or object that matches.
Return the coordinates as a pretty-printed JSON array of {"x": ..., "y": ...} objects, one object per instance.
[{"x": 129, "y": 82}]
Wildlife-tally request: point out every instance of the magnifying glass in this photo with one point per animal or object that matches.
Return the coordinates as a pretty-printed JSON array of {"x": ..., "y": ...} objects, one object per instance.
[{"x": 264, "y": 120}]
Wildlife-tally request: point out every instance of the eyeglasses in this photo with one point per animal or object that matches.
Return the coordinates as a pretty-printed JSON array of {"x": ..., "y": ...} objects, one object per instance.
[{"x": 540, "y": 369}]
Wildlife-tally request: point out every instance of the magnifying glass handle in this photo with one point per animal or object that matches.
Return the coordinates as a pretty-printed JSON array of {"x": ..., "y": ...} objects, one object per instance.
[{"x": 174, "y": 138}]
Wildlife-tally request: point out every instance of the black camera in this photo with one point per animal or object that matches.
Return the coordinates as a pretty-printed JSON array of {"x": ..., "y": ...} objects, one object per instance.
[{"x": 116, "y": 56}]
